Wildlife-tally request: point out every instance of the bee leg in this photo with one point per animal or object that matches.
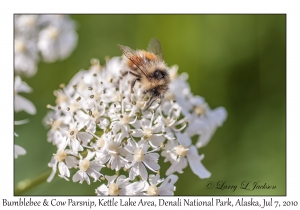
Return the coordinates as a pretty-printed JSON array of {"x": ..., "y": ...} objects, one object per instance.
[
  {"x": 132, "y": 85},
  {"x": 124, "y": 74},
  {"x": 149, "y": 103},
  {"x": 136, "y": 75}
]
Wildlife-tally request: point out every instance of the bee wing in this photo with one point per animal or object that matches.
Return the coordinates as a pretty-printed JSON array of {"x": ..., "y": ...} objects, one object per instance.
[
  {"x": 134, "y": 58},
  {"x": 155, "y": 47}
]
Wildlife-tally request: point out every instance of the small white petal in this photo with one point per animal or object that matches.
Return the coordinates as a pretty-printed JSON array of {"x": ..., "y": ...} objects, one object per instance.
[
  {"x": 151, "y": 161},
  {"x": 184, "y": 139},
  {"x": 21, "y": 122},
  {"x": 218, "y": 115},
  {"x": 156, "y": 140},
  {"x": 137, "y": 133},
  {"x": 102, "y": 190},
  {"x": 177, "y": 166},
  {"x": 94, "y": 173},
  {"x": 81, "y": 177},
  {"x": 154, "y": 179},
  {"x": 21, "y": 86},
  {"x": 22, "y": 103},
  {"x": 63, "y": 169},
  {"x": 132, "y": 189},
  {"x": 19, "y": 151},
  {"x": 84, "y": 137},
  {"x": 71, "y": 161},
  {"x": 167, "y": 187},
  {"x": 111, "y": 179},
  {"x": 75, "y": 145},
  {"x": 122, "y": 181},
  {"x": 195, "y": 163}
]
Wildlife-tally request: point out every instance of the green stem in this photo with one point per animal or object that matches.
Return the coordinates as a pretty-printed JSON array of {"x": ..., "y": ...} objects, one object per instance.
[{"x": 28, "y": 184}]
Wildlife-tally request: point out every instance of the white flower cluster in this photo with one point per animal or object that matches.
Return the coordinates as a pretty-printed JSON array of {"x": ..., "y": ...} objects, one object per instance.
[
  {"x": 54, "y": 36},
  {"x": 99, "y": 123}
]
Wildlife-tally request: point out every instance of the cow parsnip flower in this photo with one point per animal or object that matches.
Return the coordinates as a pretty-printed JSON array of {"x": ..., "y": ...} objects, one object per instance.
[
  {"x": 53, "y": 36},
  {"x": 105, "y": 125}
]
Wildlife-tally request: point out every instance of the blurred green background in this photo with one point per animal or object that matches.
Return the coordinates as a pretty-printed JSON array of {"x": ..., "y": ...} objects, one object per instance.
[{"x": 235, "y": 61}]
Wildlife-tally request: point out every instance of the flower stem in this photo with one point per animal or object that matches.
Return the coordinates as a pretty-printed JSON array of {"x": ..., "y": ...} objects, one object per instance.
[{"x": 28, "y": 184}]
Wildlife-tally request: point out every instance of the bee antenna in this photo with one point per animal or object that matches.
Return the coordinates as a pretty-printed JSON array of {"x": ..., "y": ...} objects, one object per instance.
[{"x": 150, "y": 102}]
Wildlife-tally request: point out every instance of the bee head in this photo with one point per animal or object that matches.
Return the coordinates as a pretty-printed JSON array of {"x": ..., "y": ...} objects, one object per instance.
[{"x": 158, "y": 74}]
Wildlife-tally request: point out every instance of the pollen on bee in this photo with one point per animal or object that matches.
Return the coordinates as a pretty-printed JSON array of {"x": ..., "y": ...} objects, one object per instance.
[
  {"x": 150, "y": 56},
  {"x": 131, "y": 64}
]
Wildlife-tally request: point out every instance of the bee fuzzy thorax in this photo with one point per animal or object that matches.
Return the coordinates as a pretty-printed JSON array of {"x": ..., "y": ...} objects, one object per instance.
[{"x": 149, "y": 57}]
